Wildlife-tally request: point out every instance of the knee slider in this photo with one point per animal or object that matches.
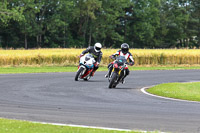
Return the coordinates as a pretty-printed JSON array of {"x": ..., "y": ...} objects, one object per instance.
[
  {"x": 127, "y": 72},
  {"x": 109, "y": 65}
]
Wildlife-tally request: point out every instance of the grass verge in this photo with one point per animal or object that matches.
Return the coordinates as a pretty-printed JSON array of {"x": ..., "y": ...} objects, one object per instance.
[
  {"x": 45, "y": 69},
  {"x": 184, "y": 91},
  {"x": 16, "y": 126},
  {"x": 42, "y": 69}
]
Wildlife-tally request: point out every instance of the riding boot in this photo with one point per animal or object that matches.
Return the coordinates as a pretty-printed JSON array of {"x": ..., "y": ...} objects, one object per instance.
[
  {"x": 92, "y": 73},
  {"x": 109, "y": 72},
  {"x": 122, "y": 80}
]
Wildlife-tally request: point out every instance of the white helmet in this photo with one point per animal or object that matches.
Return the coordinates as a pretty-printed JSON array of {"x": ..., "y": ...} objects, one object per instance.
[{"x": 97, "y": 47}]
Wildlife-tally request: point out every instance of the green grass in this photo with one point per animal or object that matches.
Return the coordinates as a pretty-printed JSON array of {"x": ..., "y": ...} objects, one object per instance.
[
  {"x": 184, "y": 91},
  {"x": 45, "y": 69},
  {"x": 16, "y": 126}
]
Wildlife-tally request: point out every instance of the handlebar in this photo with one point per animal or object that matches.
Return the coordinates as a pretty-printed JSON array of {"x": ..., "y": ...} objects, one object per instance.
[
  {"x": 127, "y": 63},
  {"x": 130, "y": 64},
  {"x": 113, "y": 57}
]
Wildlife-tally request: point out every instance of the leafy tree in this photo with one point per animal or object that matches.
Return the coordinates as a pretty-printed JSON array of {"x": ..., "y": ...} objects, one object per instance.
[
  {"x": 84, "y": 17},
  {"x": 81, "y": 23},
  {"x": 112, "y": 22},
  {"x": 144, "y": 20},
  {"x": 9, "y": 11},
  {"x": 194, "y": 22}
]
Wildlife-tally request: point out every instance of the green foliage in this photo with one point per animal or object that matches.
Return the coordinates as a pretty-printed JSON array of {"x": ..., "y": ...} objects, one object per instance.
[
  {"x": 80, "y": 23},
  {"x": 9, "y": 11}
]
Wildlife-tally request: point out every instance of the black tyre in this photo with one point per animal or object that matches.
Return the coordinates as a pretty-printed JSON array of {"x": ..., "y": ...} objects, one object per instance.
[
  {"x": 78, "y": 73},
  {"x": 112, "y": 80},
  {"x": 85, "y": 79}
]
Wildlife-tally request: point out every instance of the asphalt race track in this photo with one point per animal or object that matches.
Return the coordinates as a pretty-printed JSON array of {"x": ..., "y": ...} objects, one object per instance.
[{"x": 57, "y": 98}]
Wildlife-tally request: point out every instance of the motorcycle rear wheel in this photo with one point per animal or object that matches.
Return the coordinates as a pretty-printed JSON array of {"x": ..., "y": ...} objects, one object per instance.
[{"x": 78, "y": 73}]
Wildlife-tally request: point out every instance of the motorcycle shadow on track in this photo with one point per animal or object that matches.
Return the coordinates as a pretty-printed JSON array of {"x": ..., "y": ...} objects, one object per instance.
[
  {"x": 122, "y": 88},
  {"x": 93, "y": 81}
]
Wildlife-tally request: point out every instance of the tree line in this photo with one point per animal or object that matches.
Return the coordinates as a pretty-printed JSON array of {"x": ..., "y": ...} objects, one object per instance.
[{"x": 81, "y": 23}]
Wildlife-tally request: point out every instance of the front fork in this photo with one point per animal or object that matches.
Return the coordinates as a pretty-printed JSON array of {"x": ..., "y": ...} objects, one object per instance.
[
  {"x": 84, "y": 69},
  {"x": 121, "y": 73}
]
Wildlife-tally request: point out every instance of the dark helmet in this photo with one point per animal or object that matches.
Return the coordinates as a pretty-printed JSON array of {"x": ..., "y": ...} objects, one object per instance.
[{"x": 125, "y": 48}]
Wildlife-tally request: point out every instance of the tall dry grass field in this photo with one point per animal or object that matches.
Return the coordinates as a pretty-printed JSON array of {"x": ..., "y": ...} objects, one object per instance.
[{"x": 64, "y": 57}]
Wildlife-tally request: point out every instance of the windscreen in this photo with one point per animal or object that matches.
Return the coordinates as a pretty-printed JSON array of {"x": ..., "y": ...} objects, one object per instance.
[
  {"x": 88, "y": 56},
  {"x": 121, "y": 60}
]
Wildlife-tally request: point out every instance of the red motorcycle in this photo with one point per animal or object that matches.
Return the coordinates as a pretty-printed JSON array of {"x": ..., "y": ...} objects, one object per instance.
[{"x": 118, "y": 72}]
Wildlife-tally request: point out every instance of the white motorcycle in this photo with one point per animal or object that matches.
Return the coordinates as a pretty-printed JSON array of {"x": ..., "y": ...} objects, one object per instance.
[{"x": 86, "y": 66}]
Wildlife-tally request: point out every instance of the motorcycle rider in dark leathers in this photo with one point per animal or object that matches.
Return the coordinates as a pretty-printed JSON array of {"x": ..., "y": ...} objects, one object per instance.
[
  {"x": 96, "y": 53},
  {"x": 123, "y": 52}
]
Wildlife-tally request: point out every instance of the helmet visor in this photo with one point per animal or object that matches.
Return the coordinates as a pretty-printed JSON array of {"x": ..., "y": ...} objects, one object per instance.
[
  {"x": 97, "y": 48},
  {"x": 125, "y": 50}
]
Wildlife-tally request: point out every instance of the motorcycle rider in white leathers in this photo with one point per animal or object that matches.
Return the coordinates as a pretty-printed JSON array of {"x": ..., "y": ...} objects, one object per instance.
[{"x": 123, "y": 52}]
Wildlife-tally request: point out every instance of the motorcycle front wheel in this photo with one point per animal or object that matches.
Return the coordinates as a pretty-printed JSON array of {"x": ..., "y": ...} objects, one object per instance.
[
  {"x": 78, "y": 74},
  {"x": 113, "y": 80}
]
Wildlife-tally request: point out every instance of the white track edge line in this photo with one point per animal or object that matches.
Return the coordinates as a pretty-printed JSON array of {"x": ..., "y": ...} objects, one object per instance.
[
  {"x": 83, "y": 126},
  {"x": 167, "y": 98},
  {"x": 92, "y": 127}
]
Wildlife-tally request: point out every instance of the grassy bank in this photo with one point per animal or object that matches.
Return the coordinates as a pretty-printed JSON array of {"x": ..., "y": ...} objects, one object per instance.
[
  {"x": 185, "y": 91},
  {"x": 45, "y": 69},
  {"x": 14, "y": 126}
]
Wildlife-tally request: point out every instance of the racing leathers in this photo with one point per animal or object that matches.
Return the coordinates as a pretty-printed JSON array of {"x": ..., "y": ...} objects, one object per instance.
[
  {"x": 128, "y": 56},
  {"x": 97, "y": 56}
]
